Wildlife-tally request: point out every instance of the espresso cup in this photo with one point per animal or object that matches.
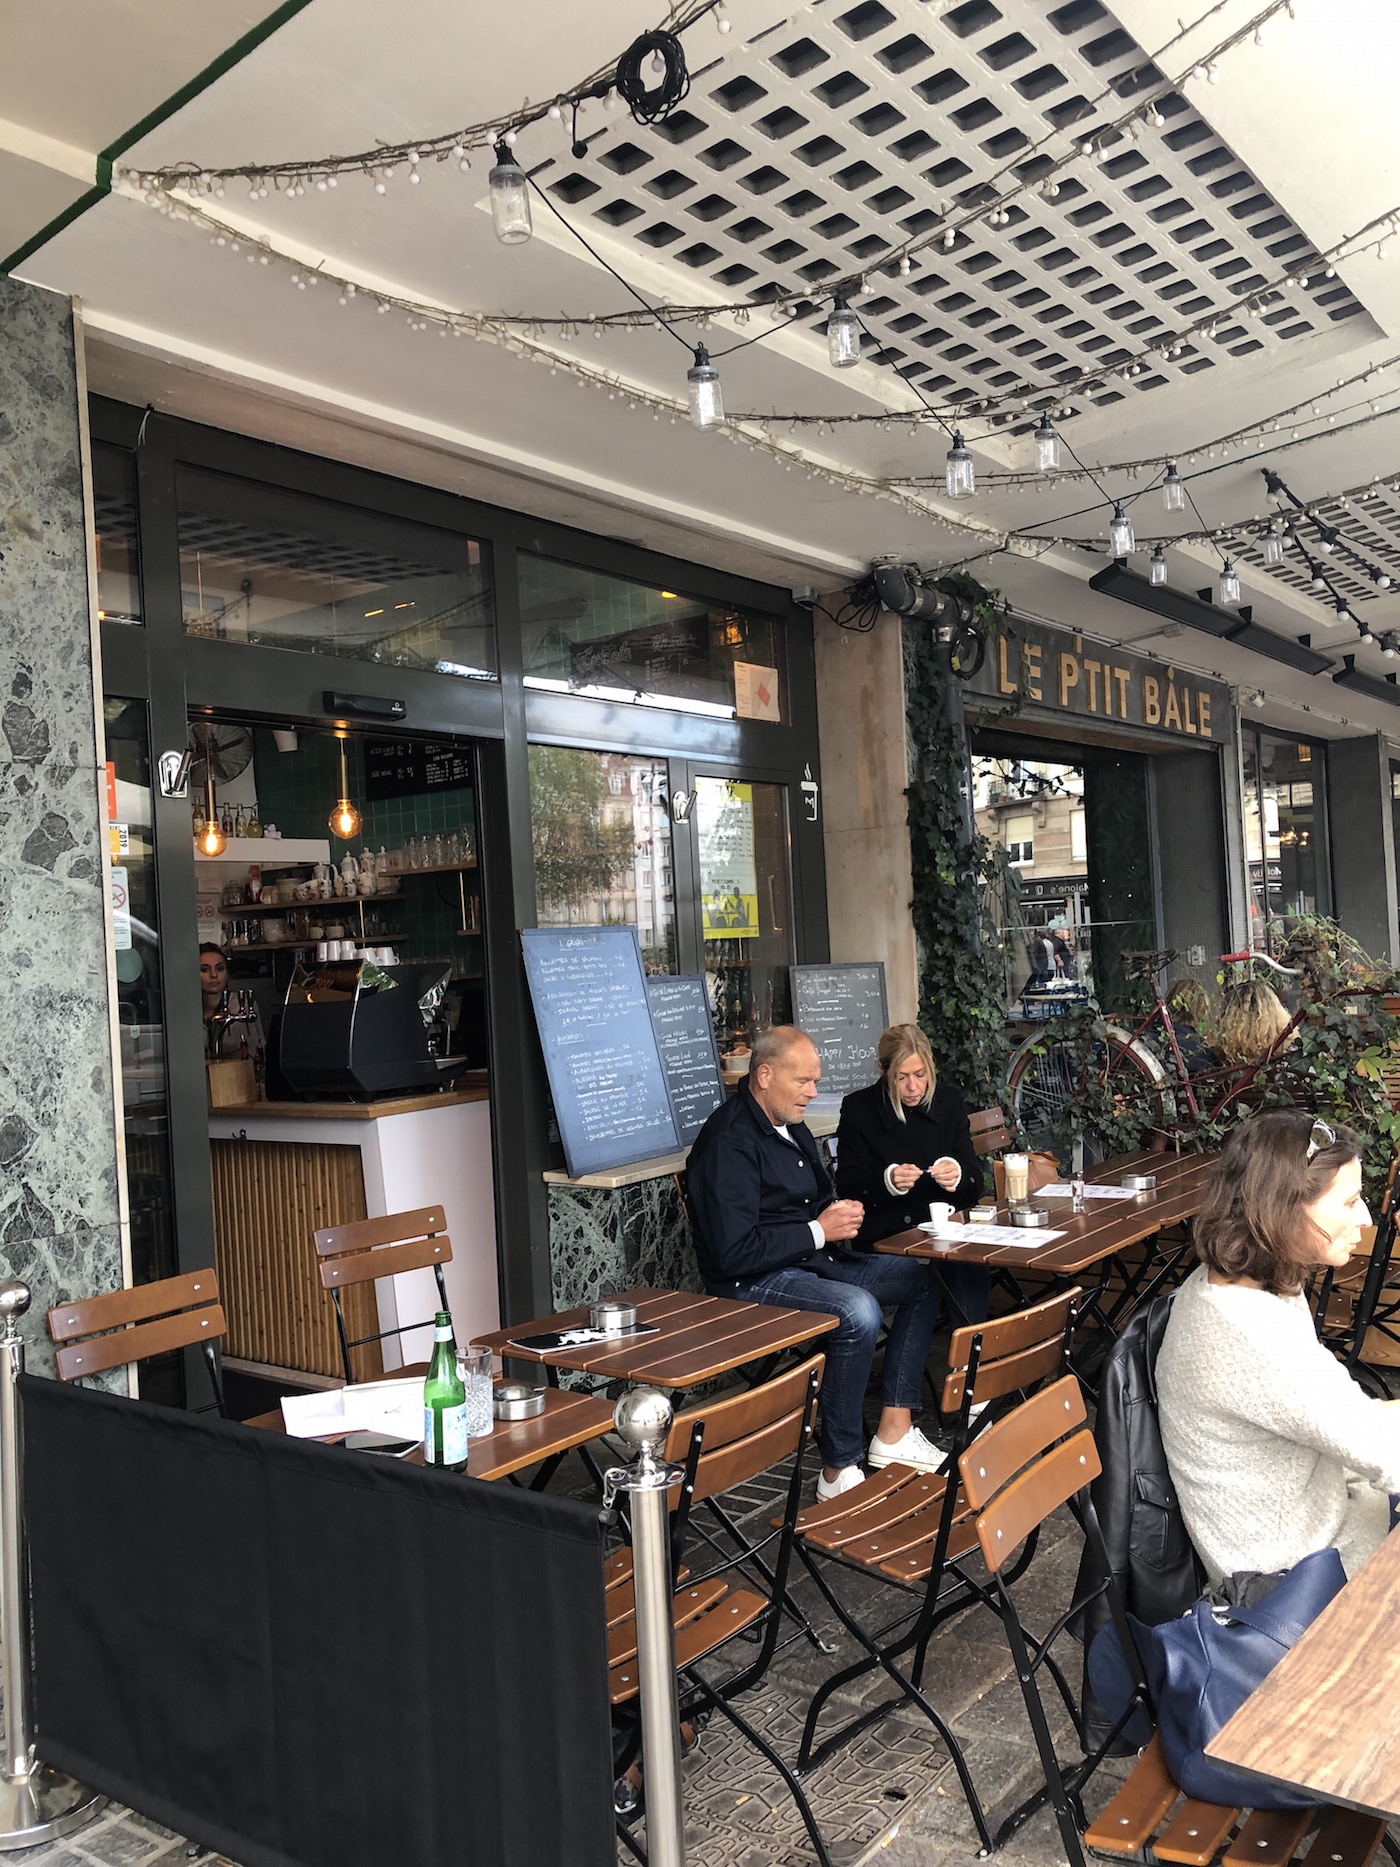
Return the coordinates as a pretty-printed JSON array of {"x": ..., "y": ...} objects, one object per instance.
[{"x": 940, "y": 1215}]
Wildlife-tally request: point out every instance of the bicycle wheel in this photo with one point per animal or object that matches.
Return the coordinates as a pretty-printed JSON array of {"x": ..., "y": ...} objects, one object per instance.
[{"x": 1049, "y": 1075}]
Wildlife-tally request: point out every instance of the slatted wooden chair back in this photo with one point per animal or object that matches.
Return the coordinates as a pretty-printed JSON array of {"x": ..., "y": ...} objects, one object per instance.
[
  {"x": 1010, "y": 1354},
  {"x": 733, "y": 1440},
  {"x": 366, "y": 1249},
  {"x": 102, "y": 1332},
  {"x": 990, "y": 1133}
]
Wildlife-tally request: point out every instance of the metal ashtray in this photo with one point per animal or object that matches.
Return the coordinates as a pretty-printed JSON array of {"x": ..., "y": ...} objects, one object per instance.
[
  {"x": 613, "y": 1315},
  {"x": 1030, "y": 1216},
  {"x": 1138, "y": 1182},
  {"x": 516, "y": 1400}
]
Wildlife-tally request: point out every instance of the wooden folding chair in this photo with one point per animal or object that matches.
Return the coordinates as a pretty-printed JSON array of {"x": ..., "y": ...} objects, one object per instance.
[
  {"x": 366, "y": 1249},
  {"x": 990, "y": 1133},
  {"x": 911, "y": 1529},
  {"x": 725, "y": 1444},
  {"x": 97, "y": 1333}
]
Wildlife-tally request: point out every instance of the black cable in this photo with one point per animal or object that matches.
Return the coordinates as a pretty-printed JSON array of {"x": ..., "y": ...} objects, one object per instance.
[
  {"x": 593, "y": 252},
  {"x": 909, "y": 381},
  {"x": 653, "y": 104}
]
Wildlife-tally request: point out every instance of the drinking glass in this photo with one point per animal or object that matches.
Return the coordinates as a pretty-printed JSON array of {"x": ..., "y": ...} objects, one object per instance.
[
  {"x": 1017, "y": 1175},
  {"x": 475, "y": 1367}
]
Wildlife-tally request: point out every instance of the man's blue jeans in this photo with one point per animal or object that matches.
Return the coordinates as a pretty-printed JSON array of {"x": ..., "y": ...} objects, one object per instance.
[{"x": 857, "y": 1286}]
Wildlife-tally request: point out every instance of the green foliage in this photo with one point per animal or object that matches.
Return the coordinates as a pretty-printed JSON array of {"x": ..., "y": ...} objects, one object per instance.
[
  {"x": 578, "y": 853},
  {"x": 956, "y": 887}
]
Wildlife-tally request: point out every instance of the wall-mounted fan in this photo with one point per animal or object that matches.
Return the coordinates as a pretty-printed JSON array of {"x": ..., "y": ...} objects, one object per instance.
[{"x": 220, "y": 751}]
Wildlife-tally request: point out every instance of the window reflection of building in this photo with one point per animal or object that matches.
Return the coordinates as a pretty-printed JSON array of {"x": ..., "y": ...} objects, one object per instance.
[
  {"x": 1034, "y": 810},
  {"x": 1285, "y": 829}
]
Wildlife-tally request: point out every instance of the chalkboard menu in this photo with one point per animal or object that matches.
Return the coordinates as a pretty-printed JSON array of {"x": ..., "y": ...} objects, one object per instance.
[
  {"x": 403, "y": 768},
  {"x": 600, "y": 1050},
  {"x": 685, "y": 1037},
  {"x": 843, "y": 1010}
]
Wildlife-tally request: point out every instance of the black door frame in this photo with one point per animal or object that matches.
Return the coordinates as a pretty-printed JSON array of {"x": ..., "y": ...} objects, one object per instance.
[{"x": 176, "y": 674}]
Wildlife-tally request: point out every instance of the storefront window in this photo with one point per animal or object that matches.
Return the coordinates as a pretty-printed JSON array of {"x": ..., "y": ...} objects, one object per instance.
[
  {"x": 741, "y": 835},
  {"x": 602, "y": 843},
  {"x": 285, "y": 571},
  {"x": 140, "y": 993},
  {"x": 1285, "y": 825},
  {"x": 114, "y": 524},
  {"x": 584, "y": 632}
]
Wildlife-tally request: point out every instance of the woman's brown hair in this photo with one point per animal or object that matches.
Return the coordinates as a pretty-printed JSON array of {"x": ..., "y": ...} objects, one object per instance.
[
  {"x": 1253, "y": 1222},
  {"x": 898, "y": 1043},
  {"x": 1252, "y": 1019}
]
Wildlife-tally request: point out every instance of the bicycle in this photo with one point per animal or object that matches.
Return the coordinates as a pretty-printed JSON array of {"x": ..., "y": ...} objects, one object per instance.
[{"x": 1050, "y": 1072}]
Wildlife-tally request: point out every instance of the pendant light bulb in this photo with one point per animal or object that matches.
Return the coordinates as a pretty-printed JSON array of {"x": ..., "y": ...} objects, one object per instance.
[
  {"x": 1173, "y": 490},
  {"x": 1120, "y": 533},
  {"x": 344, "y": 820},
  {"x": 962, "y": 479},
  {"x": 1157, "y": 567},
  {"x": 1047, "y": 447},
  {"x": 1273, "y": 548},
  {"x": 1229, "y": 583},
  {"x": 510, "y": 199},
  {"x": 842, "y": 336},
  {"x": 703, "y": 389},
  {"x": 211, "y": 840}
]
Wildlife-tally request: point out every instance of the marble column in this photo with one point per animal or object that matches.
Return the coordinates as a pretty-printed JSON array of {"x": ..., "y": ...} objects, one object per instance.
[{"x": 59, "y": 1202}]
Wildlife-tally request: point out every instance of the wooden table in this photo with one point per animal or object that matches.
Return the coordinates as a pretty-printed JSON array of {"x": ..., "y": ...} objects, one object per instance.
[
  {"x": 1098, "y": 1236},
  {"x": 698, "y": 1338},
  {"x": 568, "y": 1420},
  {"x": 1325, "y": 1720}
]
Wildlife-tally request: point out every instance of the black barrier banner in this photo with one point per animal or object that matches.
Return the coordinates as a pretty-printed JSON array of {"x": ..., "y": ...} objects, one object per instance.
[{"x": 307, "y": 1657}]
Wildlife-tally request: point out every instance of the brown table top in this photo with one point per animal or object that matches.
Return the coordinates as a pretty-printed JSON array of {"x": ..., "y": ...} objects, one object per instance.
[
  {"x": 1108, "y": 1226},
  {"x": 698, "y": 1338},
  {"x": 568, "y": 1420},
  {"x": 1324, "y": 1720}
]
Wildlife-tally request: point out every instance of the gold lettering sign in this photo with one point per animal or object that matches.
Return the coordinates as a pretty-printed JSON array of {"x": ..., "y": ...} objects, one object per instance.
[{"x": 1080, "y": 683}]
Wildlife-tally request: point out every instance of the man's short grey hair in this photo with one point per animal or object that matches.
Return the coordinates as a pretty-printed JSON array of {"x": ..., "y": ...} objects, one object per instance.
[{"x": 772, "y": 1045}]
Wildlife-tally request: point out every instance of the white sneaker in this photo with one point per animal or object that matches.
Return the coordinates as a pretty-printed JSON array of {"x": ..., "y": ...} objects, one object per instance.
[
  {"x": 913, "y": 1450},
  {"x": 845, "y": 1480}
]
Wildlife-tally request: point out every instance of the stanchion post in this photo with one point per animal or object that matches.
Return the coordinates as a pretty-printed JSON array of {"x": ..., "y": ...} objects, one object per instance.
[
  {"x": 36, "y": 1803},
  {"x": 643, "y": 1419}
]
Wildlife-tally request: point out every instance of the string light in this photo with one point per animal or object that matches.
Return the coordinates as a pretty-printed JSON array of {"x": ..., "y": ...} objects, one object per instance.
[
  {"x": 703, "y": 389},
  {"x": 510, "y": 199},
  {"x": 842, "y": 336},
  {"x": 961, "y": 477},
  {"x": 1047, "y": 446},
  {"x": 1173, "y": 491},
  {"x": 1229, "y": 583},
  {"x": 1122, "y": 543},
  {"x": 1157, "y": 566}
]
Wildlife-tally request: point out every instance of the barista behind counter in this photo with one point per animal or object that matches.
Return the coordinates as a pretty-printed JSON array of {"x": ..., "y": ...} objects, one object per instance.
[{"x": 230, "y": 1030}]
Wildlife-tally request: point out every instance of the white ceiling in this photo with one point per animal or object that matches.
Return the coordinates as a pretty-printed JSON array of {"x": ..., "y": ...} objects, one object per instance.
[{"x": 1295, "y": 147}]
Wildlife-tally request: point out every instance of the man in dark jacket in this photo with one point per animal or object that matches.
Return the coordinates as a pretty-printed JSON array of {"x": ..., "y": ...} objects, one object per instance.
[{"x": 769, "y": 1228}]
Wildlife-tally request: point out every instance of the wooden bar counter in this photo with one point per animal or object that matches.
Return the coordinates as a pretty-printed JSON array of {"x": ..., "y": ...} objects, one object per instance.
[{"x": 282, "y": 1169}]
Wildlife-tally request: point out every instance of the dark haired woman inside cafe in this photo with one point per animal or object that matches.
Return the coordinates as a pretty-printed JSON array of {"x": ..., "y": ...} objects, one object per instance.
[
  {"x": 1274, "y": 1450},
  {"x": 904, "y": 1143}
]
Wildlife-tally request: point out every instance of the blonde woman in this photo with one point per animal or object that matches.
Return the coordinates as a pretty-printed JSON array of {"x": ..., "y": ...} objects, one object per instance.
[{"x": 1252, "y": 1019}]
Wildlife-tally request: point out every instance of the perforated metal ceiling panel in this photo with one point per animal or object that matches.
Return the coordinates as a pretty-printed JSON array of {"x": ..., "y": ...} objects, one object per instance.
[{"x": 825, "y": 144}]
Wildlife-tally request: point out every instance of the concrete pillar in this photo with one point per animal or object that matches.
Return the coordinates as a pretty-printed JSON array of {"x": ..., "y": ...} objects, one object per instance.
[
  {"x": 59, "y": 1176},
  {"x": 1192, "y": 900},
  {"x": 860, "y": 716},
  {"x": 1363, "y": 843}
]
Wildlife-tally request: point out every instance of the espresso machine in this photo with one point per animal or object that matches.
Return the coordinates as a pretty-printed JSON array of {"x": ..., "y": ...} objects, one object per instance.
[{"x": 356, "y": 1029}]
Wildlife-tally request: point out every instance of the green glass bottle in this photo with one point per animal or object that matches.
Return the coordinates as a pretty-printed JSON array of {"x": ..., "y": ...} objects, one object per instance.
[{"x": 444, "y": 1403}]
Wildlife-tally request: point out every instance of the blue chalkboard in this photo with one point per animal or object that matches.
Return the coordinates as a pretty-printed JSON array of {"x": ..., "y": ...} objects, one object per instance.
[
  {"x": 600, "y": 1051},
  {"x": 680, "y": 1015}
]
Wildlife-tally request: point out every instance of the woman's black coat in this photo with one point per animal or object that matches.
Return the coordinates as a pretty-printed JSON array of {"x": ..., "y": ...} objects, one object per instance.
[{"x": 871, "y": 1137}]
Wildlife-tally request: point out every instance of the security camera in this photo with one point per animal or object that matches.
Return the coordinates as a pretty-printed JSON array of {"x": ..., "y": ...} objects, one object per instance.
[{"x": 805, "y": 596}]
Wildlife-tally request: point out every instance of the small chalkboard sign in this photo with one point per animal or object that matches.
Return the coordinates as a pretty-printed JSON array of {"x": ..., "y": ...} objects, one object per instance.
[
  {"x": 685, "y": 1037},
  {"x": 843, "y": 1010},
  {"x": 404, "y": 768},
  {"x": 600, "y": 1051}
]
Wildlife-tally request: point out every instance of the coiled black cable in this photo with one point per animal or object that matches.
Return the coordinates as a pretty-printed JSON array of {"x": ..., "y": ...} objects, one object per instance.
[{"x": 653, "y": 104}]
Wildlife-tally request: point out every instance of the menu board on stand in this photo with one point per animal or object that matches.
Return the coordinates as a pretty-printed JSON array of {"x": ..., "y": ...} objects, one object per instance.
[
  {"x": 685, "y": 1037},
  {"x": 600, "y": 1049},
  {"x": 843, "y": 1010}
]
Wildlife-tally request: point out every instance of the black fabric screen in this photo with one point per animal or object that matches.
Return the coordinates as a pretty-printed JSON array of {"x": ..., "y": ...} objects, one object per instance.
[{"x": 307, "y": 1657}]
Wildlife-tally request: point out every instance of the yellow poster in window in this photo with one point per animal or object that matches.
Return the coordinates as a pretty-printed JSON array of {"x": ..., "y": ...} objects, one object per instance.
[{"x": 728, "y": 874}]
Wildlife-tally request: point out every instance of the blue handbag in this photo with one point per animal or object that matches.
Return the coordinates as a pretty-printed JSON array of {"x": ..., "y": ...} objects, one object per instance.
[{"x": 1201, "y": 1668}]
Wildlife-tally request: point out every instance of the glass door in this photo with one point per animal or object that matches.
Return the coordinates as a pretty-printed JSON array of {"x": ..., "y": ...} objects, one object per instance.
[{"x": 742, "y": 854}]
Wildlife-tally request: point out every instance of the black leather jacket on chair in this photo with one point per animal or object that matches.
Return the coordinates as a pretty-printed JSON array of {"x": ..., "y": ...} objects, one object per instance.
[{"x": 1134, "y": 1498}]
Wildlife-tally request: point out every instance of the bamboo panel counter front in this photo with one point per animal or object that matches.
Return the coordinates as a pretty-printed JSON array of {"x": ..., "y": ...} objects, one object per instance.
[{"x": 281, "y": 1169}]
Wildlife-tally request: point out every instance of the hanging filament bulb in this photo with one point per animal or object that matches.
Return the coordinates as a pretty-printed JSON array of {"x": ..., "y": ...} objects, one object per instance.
[
  {"x": 1173, "y": 490},
  {"x": 1120, "y": 533},
  {"x": 1047, "y": 446},
  {"x": 344, "y": 819},
  {"x": 211, "y": 840}
]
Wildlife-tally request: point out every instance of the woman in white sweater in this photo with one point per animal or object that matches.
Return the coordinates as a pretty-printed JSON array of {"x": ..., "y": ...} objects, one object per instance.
[{"x": 1273, "y": 1448}]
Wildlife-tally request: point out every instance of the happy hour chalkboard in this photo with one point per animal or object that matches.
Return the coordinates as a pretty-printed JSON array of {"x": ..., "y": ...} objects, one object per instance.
[
  {"x": 680, "y": 1016},
  {"x": 843, "y": 1010},
  {"x": 600, "y": 1050}
]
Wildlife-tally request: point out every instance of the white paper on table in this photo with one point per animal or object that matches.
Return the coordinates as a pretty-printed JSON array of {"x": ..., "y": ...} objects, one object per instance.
[
  {"x": 1022, "y": 1236},
  {"x": 394, "y": 1407},
  {"x": 1059, "y": 1189}
]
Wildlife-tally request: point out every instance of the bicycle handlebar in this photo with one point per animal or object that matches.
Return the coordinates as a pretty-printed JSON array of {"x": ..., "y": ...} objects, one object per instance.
[{"x": 1289, "y": 972}]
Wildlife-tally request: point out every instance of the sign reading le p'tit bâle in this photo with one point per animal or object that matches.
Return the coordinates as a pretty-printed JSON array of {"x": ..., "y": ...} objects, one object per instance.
[{"x": 1065, "y": 673}]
